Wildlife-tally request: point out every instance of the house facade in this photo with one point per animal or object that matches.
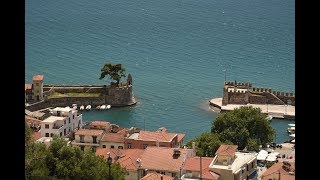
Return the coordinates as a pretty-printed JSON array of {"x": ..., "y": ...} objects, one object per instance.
[
  {"x": 88, "y": 138},
  {"x": 62, "y": 122},
  {"x": 230, "y": 164}
]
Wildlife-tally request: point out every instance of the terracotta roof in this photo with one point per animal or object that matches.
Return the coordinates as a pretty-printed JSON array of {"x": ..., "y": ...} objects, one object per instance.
[
  {"x": 99, "y": 123},
  {"x": 163, "y": 159},
  {"x": 275, "y": 169},
  {"x": 36, "y": 135},
  {"x": 161, "y": 136},
  {"x": 113, "y": 137},
  {"x": 123, "y": 131},
  {"x": 180, "y": 137},
  {"x": 104, "y": 152},
  {"x": 30, "y": 119},
  {"x": 89, "y": 132},
  {"x": 156, "y": 176},
  {"x": 37, "y": 77},
  {"x": 129, "y": 158},
  {"x": 193, "y": 164},
  {"x": 27, "y": 86},
  {"x": 226, "y": 150}
]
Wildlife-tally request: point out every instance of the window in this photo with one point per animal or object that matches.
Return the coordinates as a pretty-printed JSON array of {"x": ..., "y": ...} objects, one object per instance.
[
  {"x": 64, "y": 131},
  {"x": 69, "y": 120},
  {"x": 69, "y": 130},
  {"x": 82, "y": 148},
  {"x": 47, "y": 134},
  {"x": 163, "y": 173},
  {"x": 129, "y": 145},
  {"x": 94, "y": 149},
  {"x": 72, "y": 116},
  {"x": 37, "y": 84},
  {"x": 103, "y": 146},
  {"x": 120, "y": 147},
  {"x": 112, "y": 146},
  {"x": 82, "y": 138},
  {"x": 173, "y": 174},
  {"x": 64, "y": 121},
  {"x": 46, "y": 126},
  {"x": 145, "y": 146},
  {"x": 51, "y": 135},
  {"x": 94, "y": 139},
  {"x": 60, "y": 134}
]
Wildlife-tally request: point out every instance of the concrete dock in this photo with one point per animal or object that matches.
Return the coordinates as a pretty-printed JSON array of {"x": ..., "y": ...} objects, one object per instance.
[{"x": 276, "y": 111}]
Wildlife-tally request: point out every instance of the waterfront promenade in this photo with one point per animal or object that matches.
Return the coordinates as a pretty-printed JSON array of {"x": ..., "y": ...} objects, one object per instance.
[{"x": 276, "y": 111}]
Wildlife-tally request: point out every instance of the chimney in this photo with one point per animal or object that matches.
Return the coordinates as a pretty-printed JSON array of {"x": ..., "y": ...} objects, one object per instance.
[
  {"x": 193, "y": 145},
  {"x": 161, "y": 177}
]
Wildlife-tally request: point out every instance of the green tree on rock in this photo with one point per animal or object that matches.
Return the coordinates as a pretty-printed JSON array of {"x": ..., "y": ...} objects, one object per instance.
[
  {"x": 115, "y": 71},
  {"x": 245, "y": 126}
]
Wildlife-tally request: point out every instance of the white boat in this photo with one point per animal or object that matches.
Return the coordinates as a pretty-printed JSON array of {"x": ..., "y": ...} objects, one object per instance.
[
  {"x": 103, "y": 107},
  {"x": 98, "y": 107},
  {"x": 292, "y": 135},
  {"x": 269, "y": 117},
  {"x": 108, "y": 106},
  {"x": 82, "y": 107},
  {"x": 88, "y": 107},
  {"x": 291, "y": 130},
  {"x": 292, "y": 125}
]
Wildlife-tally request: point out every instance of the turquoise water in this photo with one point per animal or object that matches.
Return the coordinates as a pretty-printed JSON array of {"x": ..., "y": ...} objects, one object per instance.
[{"x": 176, "y": 51}]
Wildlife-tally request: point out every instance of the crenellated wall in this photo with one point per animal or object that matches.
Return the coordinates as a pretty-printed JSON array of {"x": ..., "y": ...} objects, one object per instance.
[{"x": 243, "y": 93}]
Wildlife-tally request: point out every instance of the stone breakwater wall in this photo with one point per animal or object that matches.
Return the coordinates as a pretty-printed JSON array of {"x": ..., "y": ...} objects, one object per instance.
[{"x": 113, "y": 95}]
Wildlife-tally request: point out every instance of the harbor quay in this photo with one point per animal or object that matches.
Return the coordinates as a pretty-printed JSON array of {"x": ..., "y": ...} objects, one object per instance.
[{"x": 276, "y": 111}]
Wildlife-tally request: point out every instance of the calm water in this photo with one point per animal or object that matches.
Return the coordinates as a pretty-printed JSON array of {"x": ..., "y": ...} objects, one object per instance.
[{"x": 176, "y": 51}]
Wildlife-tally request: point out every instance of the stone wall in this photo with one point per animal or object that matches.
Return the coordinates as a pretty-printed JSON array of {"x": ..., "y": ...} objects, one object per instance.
[
  {"x": 238, "y": 98},
  {"x": 256, "y": 99},
  {"x": 115, "y": 96}
]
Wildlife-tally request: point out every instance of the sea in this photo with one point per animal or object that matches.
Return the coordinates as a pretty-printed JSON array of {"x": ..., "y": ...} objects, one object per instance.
[{"x": 179, "y": 53}]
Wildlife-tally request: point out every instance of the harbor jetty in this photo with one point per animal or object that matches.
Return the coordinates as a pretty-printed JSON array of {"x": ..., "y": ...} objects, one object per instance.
[{"x": 280, "y": 105}]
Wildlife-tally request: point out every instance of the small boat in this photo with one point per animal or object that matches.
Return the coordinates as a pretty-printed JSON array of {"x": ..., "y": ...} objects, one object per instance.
[
  {"x": 269, "y": 118},
  {"x": 291, "y": 130},
  {"x": 292, "y": 125},
  {"x": 98, "y": 107},
  {"x": 108, "y": 106},
  {"x": 103, "y": 107},
  {"x": 81, "y": 107},
  {"x": 88, "y": 107}
]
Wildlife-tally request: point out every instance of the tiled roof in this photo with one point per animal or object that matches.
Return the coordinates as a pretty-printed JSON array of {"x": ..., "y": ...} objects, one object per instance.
[
  {"x": 275, "y": 169},
  {"x": 30, "y": 119},
  {"x": 89, "y": 132},
  {"x": 104, "y": 152},
  {"x": 27, "y": 86},
  {"x": 193, "y": 164},
  {"x": 99, "y": 123},
  {"x": 180, "y": 137},
  {"x": 123, "y": 131},
  {"x": 129, "y": 158},
  {"x": 156, "y": 176},
  {"x": 163, "y": 159},
  {"x": 113, "y": 137},
  {"x": 37, "y": 77},
  {"x": 36, "y": 135},
  {"x": 157, "y": 135},
  {"x": 226, "y": 150}
]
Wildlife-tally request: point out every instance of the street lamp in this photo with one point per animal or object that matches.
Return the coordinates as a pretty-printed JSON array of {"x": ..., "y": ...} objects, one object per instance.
[{"x": 109, "y": 161}]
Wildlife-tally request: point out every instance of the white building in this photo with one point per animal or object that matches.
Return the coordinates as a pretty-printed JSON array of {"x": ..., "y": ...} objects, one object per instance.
[
  {"x": 62, "y": 122},
  {"x": 233, "y": 165}
]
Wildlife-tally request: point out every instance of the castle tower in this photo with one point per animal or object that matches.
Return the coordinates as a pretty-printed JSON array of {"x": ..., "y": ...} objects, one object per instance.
[
  {"x": 129, "y": 80},
  {"x": 37, "y": 84}
]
